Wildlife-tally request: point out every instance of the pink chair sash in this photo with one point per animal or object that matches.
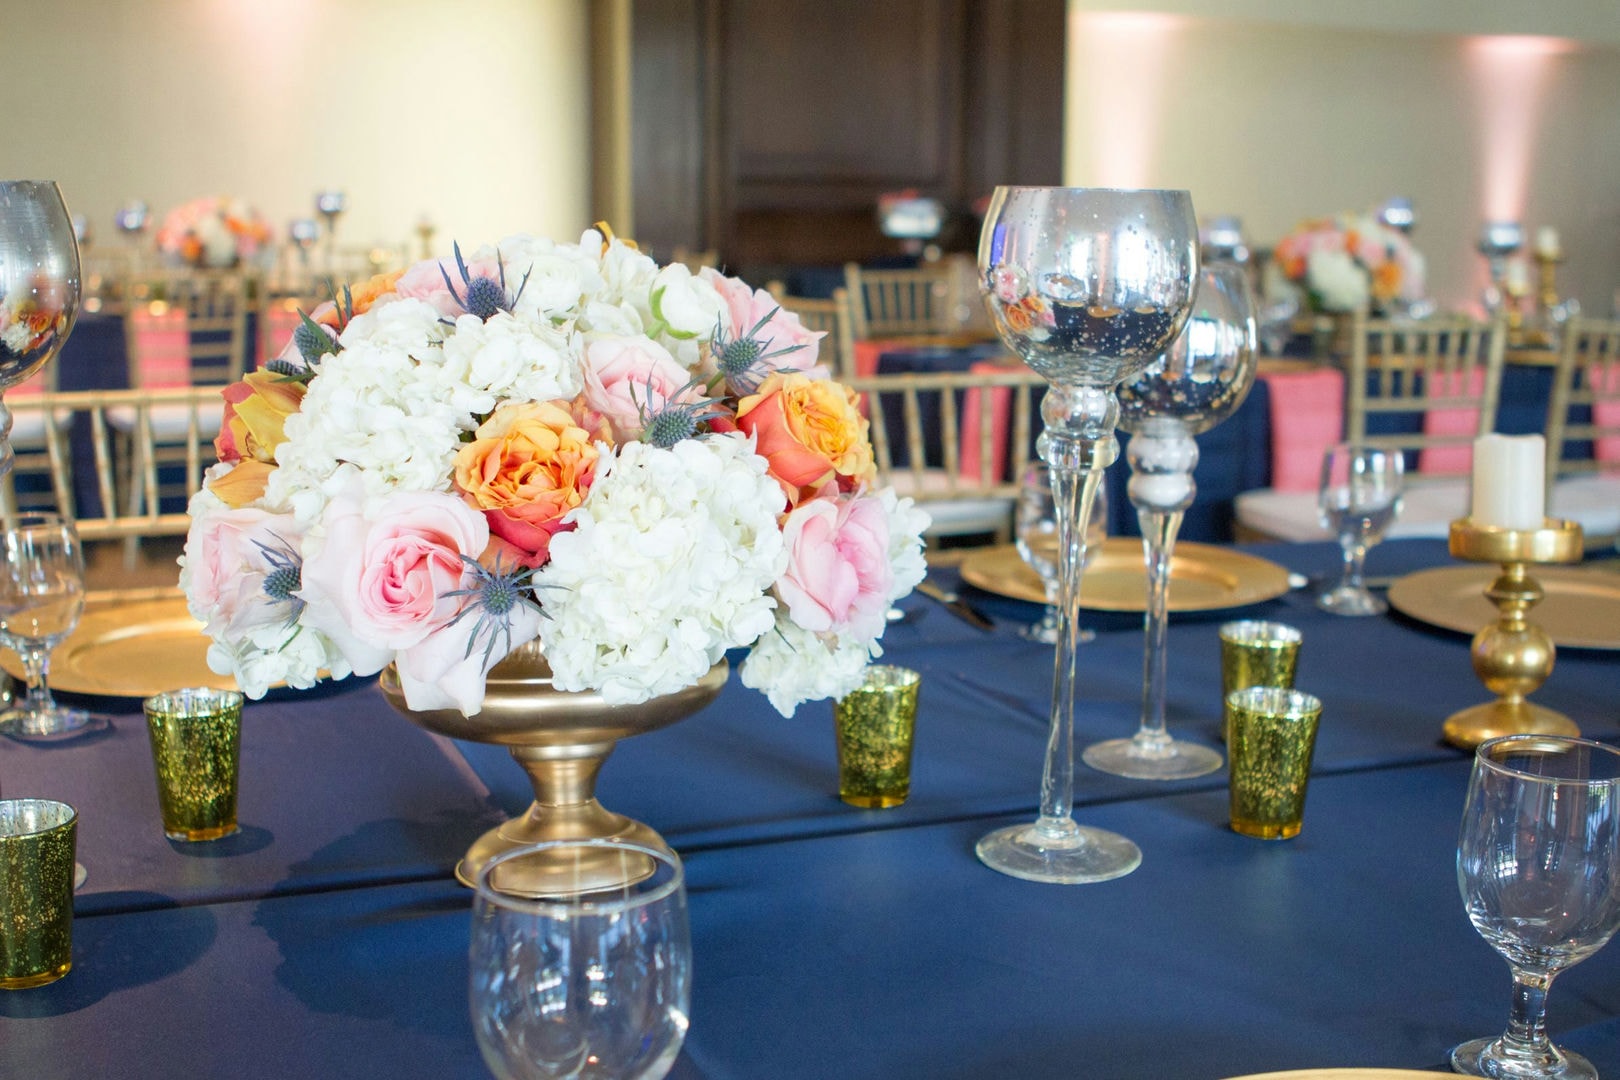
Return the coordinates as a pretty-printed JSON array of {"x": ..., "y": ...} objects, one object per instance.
[
  {"x": 1307, "y": 417},
  {"x": 1452, "y": 460},
  {"x": 1605, "y": 414},
  {"x": 870, "y": 350},
  {"x": 973, "y": 418},
  {"x": 162, "y": 345}
]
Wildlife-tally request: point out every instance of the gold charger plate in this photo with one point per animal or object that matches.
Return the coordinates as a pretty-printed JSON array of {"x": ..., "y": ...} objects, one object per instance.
[
  {"x": 1203, "y": 577},
  {"x": 1341, "y": 1074},
  {"x": 131, "y": 649},
  {"x": 1581, "y": 610}
]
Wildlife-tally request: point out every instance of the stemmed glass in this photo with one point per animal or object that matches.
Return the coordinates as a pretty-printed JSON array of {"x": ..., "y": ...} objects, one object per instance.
[
  {"x": 1359, "y": 498},
  {"x": 1538, "y": 863},
  {"x": 590, "y": 985},
  {"x": 1088, "y": 286},
  {"x": 1198, "y": 383},
  {"x": 1037, "y": 545},
  {"x": 41, "y": 598},
  {"x": 39, "y": 285}
]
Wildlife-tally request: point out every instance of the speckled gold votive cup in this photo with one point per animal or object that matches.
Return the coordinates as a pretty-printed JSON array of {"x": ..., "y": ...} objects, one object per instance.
[
  {"x": 196, "y": 744},
  {"x": 875, "y": 726},
  {"x": 1257, "y": 653},
  {"x": 1271, "y": 738},
  {"x": 37, "y": 838}
]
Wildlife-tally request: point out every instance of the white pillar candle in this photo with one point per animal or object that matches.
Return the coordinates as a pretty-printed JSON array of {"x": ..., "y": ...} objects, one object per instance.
[
  {"x": 1547, "y": 242},
  {"x": 1509, "y": 481}
]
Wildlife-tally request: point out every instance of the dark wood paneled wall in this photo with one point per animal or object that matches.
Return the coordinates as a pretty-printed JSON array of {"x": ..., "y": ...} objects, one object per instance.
[{"x": 767, "y": 129}]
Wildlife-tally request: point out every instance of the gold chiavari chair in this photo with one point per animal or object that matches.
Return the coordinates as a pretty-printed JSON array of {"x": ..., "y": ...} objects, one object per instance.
[
  {"x": 900, "y": 303},
  {"x": 956, "y": 442},
  {"x": 832, "y": 317},
  {"x": 1583, "y": 430}
]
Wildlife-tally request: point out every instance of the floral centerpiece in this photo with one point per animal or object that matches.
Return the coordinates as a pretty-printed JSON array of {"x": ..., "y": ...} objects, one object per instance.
[
  {"x": 212, "y": 232},
  {"x": 1351, "y": 261},
  {"x": 642, "y": 467}
]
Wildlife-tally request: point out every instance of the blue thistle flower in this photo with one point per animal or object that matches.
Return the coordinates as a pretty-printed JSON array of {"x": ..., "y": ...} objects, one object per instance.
[
  {"x": 285, "y": 578},
  {"x": 743, "y": 361},
  {"x": 674, "y": 420},
  {"x": 486, "y": 297},
  {"x": 495, "y": 592}
]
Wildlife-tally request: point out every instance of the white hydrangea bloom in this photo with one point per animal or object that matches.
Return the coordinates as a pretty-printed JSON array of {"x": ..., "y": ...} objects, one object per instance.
[
  {"x": 559, "y": 276},
  {"x": 1337, "y": 280},
  {"x": 791, "y": 665},
  {"x": 509, "y": 358},
  {"x": 273, "y": 655},
  {"x": 402, "y": 325},
  {"x": 667, "y": 568},
  {"x": 906, "y": 524}
]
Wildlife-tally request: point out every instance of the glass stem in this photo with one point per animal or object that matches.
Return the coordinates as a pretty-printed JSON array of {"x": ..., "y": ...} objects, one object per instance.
[
  {"x": 36, "y": 666},
  {"x": 1527, "y": 1023},
  {"x": 1078, "y": 445},
  {"x": 1158, "y": 546},
  {"x": 1355, "y": 557}
]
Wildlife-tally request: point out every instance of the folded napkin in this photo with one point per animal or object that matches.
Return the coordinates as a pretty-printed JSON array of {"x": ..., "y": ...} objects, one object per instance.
[{"x": 1307, "y": 417}]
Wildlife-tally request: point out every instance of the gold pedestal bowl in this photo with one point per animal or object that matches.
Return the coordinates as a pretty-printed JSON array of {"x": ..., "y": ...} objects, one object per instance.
[{"x": 561, "y": 739}]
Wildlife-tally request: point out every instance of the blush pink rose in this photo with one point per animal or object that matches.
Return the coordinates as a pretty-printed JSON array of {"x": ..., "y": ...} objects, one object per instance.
[
  {"x": 838, "y": 577},
  {"x": 226, "y": 565},
  {"x": 425, "y": 281},
  {"x": 380, "y": 582},
  {"x": 447, "y": 669},
  {"x": 625, "y": 375},
  {"x": 746, "y": 306}
]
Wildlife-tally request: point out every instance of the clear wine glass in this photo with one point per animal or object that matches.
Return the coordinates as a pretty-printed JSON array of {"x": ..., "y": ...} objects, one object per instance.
[
  {"x": 1538, "y": 863},
  {"x": 588, "y": 985},
  {"x": 1360, "y": 496},
  {"x": 41, "y": 598},
  {"x": 1088, "y": 286},
  {"x": 1037, "y": 543},
  {"x": 39, "y": 285},
  {"x": 1198, "y": 383}
]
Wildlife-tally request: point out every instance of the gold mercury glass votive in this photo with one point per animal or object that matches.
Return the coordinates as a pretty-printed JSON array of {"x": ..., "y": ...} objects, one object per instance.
[
  {"x": 1257, "y": 653},
  {"x": 1271, "y": 737},
  {"x": 875, "y": 725},
  {"x": 196, "y": 743},
  {"x": 37, "y": 839}
]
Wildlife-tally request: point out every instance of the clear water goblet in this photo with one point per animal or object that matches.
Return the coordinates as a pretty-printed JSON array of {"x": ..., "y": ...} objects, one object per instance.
[
  {"x": 41, "y": 599},
  {"x": 1037, "y": 543},
  {"x": 590, "y": 985},
  {"x": 1538, "y": 864},
  {"x": 1198, "y": 383},
  {"x": 1088, "y": 286},
  {"x": 1360, "y": 496}
]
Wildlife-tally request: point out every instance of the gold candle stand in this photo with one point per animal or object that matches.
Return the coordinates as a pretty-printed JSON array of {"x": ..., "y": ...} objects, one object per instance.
[{"x": 1512, "y": 656}]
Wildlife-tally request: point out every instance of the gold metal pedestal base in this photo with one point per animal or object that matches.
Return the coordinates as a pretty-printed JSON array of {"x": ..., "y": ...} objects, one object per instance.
[
  {"x": 561, "y": 740},
  {"x": 1512, "y": 656}
]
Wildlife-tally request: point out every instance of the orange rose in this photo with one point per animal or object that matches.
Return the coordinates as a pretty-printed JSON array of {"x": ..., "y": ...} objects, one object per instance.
[
  {"x": 255, "y": 411},
  {"x": 243, "y": 484},
  {"x": 527, "y": 467},
  {"x": 1386, "y": 281},
  {"x": 811, "y": 431}
]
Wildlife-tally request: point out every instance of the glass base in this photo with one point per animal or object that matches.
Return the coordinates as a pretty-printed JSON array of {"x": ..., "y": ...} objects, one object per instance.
[
  {"x": 1344, "y": 600},
  {"x": 1058, "y": 852},
  {"x": 1045, "y": 634},
  {"x": 54, "y": 726},
  {"x": 1167, "y": 759},
  {"x": 1493, "y": 1057},
  {"x": 212, "y": 832},
  {"x": 28, "y": 982}
]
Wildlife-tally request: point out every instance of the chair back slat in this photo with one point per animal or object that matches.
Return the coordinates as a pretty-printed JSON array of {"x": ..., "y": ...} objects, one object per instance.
[
  {"x": 893, "y": 303},
  {"x": 1583, "y": 414}
]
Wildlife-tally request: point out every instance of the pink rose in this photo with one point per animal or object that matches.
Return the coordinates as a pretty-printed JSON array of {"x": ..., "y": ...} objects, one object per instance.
[
  {"x": 746, "y": 306},
  {"x": 380, "y": 582},
  {"x": 626, "y": 375},
  {"x": 443, "y": 672},
  {"x": 425, "y": 281},
  {"x": 226, "y": 563},
  {"x": 838, "y": 577}
]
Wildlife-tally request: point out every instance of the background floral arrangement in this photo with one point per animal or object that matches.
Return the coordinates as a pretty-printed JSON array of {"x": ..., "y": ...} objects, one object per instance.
[
  {"x": 1351, "y": 261},
  {"x": 212, "y": 232},
  {"x": 642, "y": 467}
]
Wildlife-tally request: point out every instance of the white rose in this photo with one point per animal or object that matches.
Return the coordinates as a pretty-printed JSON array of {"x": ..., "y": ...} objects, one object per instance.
[
  {"x": 1334, "y": 276},
  {"x": 687, "y": 304}
]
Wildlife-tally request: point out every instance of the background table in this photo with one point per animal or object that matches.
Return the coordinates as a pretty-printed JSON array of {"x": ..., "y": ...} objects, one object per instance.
[{"x": 330, "y": 940}]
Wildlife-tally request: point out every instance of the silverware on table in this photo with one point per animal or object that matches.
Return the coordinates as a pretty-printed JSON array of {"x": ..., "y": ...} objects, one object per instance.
[{"x": 956, "y": 606}]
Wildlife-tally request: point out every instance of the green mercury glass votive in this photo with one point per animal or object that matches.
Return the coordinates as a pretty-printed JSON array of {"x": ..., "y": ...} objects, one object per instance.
[
  {"x": 1256, "y": 653},
  {"x": 875, "y": 725},
  {"x": 196, "y": 743},
  {"x": 37, "y": 839},
  {"x": 1271, "y": 737}
]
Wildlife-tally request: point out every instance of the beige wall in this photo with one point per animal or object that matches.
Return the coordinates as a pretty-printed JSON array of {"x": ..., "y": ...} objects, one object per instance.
[
  {"x": 1278, "y": 121},
  {"x": 473, "y": 113}
]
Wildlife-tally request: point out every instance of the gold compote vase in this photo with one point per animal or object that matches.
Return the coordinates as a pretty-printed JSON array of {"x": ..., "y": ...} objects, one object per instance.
[{"x": 561, "y": 739}]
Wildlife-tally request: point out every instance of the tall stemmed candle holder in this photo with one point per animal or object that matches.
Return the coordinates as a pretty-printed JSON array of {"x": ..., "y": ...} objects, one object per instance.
[
  {"x": 330, "y": 204},
  {"x": 39, "y": 286},
  {"x": 1507, "y": 525},
  {"x": 1088, "y": 286},
  {"x": 1198, "y": 383}
]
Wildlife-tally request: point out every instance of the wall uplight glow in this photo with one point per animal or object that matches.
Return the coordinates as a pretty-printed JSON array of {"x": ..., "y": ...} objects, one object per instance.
[
  {"x": 1510, "y": 75},
  {"x": 1119, "y": 62}
]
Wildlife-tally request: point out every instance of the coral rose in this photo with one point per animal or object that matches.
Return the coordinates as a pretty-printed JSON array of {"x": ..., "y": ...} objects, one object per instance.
[
  {"x": 528, "y": 466},
  {"x": 810, "y": 431},
  {"x": 255, "y": 411}
]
